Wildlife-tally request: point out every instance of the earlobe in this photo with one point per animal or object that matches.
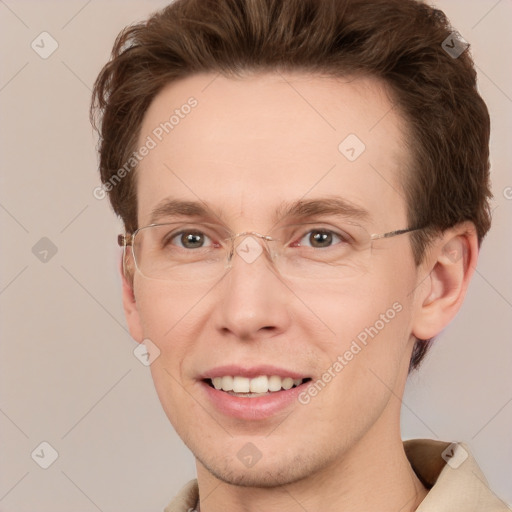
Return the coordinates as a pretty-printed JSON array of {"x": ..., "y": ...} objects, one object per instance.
[
  {"x": 130, "y": 305},
  {"x": 450, "y": 264}
]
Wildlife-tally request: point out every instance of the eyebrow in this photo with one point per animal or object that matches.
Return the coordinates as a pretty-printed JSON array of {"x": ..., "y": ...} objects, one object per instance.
[
  {"x": 299, "y": 209},
  {"x": 321, "y": 206},
  {"x": 177, "y": 207}
]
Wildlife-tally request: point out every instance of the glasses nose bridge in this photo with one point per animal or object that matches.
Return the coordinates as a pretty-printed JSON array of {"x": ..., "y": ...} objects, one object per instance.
[{"x": 262, "y": 240}]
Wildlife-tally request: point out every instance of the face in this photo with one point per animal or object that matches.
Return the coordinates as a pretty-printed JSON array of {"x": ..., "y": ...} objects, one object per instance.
[{"x": 247, "y": 150}]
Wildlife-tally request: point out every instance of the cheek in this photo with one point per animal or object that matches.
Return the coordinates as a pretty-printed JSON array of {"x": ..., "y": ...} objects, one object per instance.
[
  {"x": 367, "y": 328},
  {"x": 168, "y": 320},
  {"x": 346, "y": 308},
  {"x": 360, "y": 368},
  {"x": 370, "y": 334},
  {"x": 165, "y": 308}
]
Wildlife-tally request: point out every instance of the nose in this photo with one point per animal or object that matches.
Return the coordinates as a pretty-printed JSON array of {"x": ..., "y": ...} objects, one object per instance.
[{"x": 254, "y": 301}]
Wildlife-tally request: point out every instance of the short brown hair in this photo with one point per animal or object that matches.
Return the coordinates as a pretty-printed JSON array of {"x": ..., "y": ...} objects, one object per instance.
[{"x": 397, "y": 41}]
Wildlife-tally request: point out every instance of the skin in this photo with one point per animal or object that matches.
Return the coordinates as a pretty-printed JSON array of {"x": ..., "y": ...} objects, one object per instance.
[{"x": 251, "y": 143}]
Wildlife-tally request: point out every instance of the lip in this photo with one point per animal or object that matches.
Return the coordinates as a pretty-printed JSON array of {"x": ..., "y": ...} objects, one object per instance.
[
  {"x": 252, "y": 409},
  {"x": 250, "y": 372}
]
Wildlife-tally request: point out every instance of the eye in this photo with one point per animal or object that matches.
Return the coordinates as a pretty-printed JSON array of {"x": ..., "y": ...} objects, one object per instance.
[
  {"x": 190, "y": 239},
  {"x": 321, "y": 238}
]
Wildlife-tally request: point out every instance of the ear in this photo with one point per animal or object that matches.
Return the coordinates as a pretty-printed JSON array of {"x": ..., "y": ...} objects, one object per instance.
[
  {"x": 449, "y": 265},
  {"x": 129, "y": 302}
]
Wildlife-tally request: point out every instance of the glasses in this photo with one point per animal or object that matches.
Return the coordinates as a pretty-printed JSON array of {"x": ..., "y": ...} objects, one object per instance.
[{"x": 182, "y": 251}]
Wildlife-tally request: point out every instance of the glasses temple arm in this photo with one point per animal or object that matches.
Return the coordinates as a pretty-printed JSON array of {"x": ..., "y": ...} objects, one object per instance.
[{"x": 394, "y": 233}]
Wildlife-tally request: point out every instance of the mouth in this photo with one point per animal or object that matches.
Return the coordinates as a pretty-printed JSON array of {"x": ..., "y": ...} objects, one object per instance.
[
  {"x": 262, "y": 385},
  {"x": 261, "y": 392}
]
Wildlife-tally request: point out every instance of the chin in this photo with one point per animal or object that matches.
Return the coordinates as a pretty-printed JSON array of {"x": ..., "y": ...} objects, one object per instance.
[{"x": 262, "y": 475}]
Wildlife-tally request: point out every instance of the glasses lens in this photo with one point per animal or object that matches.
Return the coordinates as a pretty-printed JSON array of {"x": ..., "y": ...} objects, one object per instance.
[
  {"x": 198, "y": 252},
  {"x": 320, "y": 251},
  {"x": 182, "y": 252}
]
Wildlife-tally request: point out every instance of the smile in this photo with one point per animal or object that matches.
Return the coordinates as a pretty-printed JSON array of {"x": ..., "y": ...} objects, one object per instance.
[{"x": 254, "y": 387}]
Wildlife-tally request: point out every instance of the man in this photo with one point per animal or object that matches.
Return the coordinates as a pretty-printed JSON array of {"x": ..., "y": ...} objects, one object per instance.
[{"x": 304, "y": 188}]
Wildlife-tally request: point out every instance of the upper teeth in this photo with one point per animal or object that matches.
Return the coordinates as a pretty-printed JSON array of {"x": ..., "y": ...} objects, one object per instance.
[{"x": 261, "y": 384}]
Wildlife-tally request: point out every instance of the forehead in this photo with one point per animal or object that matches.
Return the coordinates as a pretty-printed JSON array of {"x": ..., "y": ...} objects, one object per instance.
[{"x": 244, "y": 145}]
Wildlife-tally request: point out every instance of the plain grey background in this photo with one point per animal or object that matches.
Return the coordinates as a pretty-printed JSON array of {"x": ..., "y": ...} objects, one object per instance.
[{"x": 68, "y": 374}]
